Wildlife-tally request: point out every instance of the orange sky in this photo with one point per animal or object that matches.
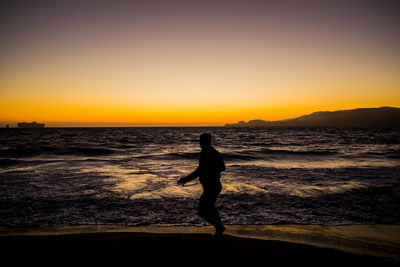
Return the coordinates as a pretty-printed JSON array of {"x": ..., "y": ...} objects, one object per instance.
[{"x": 188, "y": 65}]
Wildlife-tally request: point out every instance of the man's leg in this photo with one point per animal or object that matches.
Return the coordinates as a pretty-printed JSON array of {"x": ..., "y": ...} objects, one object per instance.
[
  {"x": 209, "y": 212},
  {"x": 207, "y": 209},
  {"x": 204, "y": 210},
  {"x": 217, "y": 218},
  {"x": 219, "y": 227}
]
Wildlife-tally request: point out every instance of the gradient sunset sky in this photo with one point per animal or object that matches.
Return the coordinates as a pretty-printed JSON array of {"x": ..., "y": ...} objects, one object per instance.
[{"x": 194, "y": 62}]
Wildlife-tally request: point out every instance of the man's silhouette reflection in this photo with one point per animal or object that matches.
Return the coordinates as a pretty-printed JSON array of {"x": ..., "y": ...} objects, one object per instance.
[{"x": 209, "y": 171}]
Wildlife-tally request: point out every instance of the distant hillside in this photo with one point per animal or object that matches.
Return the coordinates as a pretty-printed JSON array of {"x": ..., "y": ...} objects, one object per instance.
[{"x": 361, "y": 117}]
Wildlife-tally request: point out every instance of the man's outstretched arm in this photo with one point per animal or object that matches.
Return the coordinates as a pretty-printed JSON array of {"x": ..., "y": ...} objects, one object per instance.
[{"x": 190, "y": 177}]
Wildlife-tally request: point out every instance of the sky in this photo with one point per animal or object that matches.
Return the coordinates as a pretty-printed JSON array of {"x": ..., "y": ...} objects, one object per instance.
[{"x": 194, "y": 62}]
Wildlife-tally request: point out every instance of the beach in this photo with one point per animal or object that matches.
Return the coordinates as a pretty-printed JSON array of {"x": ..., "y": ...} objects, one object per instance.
[{"x": 312, "y": 245}]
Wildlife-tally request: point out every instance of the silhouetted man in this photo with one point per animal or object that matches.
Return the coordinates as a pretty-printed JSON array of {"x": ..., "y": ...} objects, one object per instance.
[{"x": 209, "y": 171}]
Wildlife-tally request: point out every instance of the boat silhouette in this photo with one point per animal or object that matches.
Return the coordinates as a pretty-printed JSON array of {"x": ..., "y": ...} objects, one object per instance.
[{"x": 33, "y": 124}]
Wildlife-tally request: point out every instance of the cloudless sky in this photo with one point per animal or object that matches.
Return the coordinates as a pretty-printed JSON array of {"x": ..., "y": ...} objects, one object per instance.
[{"x": 194, "y": 62}]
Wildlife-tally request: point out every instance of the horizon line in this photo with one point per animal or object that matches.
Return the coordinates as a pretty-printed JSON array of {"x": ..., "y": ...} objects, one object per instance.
[
  {"x": 116, "y": 125},
  {"x": 13, "y": 124}
]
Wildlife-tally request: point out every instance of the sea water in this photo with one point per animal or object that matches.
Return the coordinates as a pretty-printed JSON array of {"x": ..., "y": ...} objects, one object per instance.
[{"x": 285, "y": 175}]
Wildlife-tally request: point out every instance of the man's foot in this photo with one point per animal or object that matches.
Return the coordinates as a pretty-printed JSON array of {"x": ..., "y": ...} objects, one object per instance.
[{"x": 219, "y": 231}]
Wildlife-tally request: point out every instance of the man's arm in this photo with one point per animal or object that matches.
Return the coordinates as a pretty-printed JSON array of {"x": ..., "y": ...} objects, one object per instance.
[{"x": 190, "y": 177}]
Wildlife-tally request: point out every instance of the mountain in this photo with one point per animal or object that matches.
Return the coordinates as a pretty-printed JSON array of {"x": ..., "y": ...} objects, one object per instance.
[{"x": 360, "y": 117}]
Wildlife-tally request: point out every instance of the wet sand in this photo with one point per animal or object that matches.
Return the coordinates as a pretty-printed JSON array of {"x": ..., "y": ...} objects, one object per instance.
[{"x": 177, "y": 245}]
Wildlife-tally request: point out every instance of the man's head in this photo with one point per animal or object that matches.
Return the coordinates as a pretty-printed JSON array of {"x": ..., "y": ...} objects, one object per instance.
[{"x": 205, "y": 141}]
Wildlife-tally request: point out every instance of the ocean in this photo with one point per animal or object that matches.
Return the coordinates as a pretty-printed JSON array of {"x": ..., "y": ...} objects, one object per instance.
[{"x": 127, "y": 176}]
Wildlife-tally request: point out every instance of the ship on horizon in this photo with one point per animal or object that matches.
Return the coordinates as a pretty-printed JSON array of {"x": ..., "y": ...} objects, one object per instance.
[{"x": 33, "y": 124}]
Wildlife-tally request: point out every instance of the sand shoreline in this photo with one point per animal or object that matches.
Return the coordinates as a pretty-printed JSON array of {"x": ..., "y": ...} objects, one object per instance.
[{"x": 376, "y": 241}]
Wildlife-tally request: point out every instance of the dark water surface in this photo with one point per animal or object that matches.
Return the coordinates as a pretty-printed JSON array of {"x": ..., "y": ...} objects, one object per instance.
[{"x": 69, "y": 176}]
